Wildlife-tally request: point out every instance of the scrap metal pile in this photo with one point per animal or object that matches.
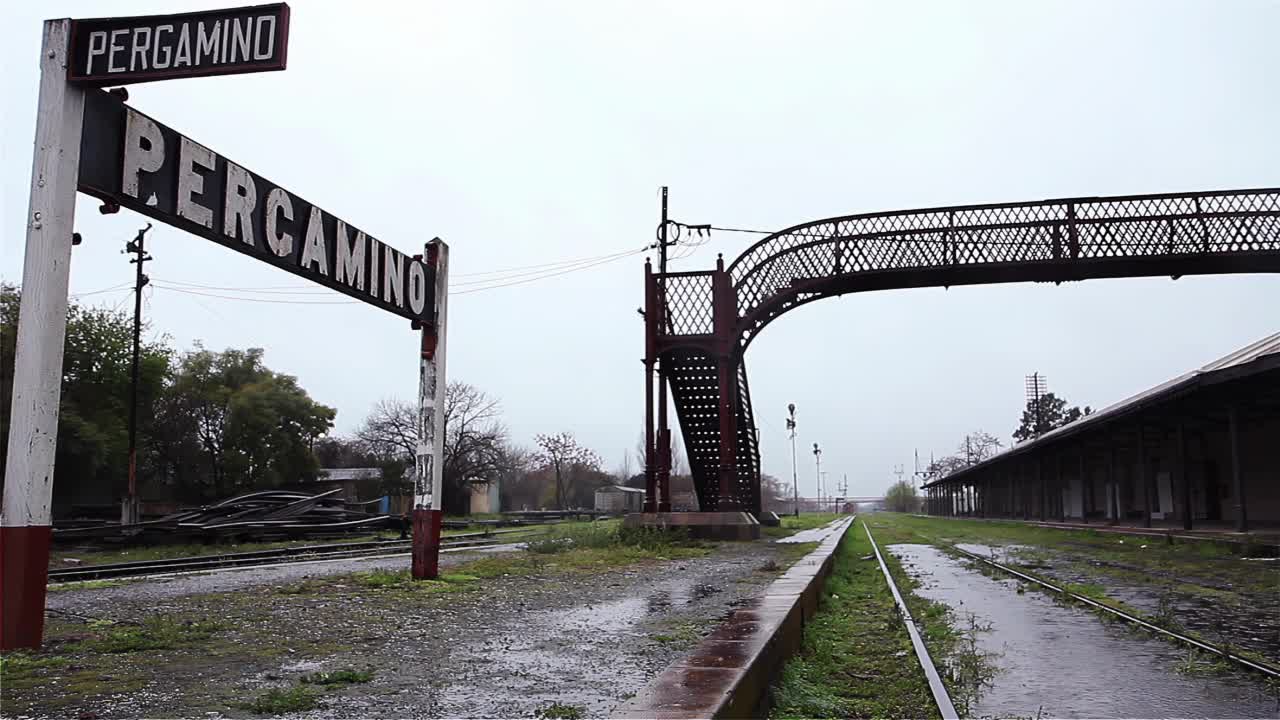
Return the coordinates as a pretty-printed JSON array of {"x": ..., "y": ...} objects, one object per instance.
[{"x": 265, "y": 515}]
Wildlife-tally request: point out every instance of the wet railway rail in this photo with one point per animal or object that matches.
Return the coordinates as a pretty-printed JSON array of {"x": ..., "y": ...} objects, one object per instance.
[
  {"x": 1225, "y": 653},
  {"x": 1147, "y": 629},
  {"x": 303, "y": 553},
  {"x": 937, "y": 688}
]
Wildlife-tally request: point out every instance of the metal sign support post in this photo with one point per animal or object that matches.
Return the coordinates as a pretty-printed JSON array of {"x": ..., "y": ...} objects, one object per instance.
[
  {"x": 25, "y": 521},
  {"x": 428, "y": 495}
]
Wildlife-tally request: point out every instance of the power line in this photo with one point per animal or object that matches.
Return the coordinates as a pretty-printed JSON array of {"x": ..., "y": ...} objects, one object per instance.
[{"x": 548, "y": 275}]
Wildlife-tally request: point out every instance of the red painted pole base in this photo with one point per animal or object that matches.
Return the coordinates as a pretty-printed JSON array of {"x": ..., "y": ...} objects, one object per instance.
[
  {"x": 426, "y": 544},
  {"x": 24, "y": 571}
]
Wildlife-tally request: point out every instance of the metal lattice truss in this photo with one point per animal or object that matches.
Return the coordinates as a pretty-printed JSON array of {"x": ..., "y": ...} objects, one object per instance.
[{"x": 1236, "y": 231}]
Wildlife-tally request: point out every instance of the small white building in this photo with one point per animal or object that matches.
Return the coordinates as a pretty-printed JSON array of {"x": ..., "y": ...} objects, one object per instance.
[
  {"x": 484, "y": 497},
  {"x": 616, "y": 499}
]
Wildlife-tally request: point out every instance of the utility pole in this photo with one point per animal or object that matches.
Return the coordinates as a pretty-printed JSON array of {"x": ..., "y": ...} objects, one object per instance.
[
  {"x": 130, "y": 511},
  {"x": 1036, "y": 386},
  {"x": 795, "y": 476},
  {"x": 817, "y": 460},
  {"x": 664, "y": 433},
  {"x": 661, "y": 445}
]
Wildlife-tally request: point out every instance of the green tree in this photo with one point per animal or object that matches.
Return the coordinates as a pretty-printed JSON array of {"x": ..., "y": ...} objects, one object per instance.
[
  {"x": 1053, "y": 413},
  {"x": 93, "y": 434},
  {"x": 230, "y": 424},
  {"x": 901, "y": 497}
]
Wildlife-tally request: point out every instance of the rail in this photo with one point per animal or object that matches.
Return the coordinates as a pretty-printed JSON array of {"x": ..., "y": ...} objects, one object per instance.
[
  {"x": 939, "y": 690},
  {"x": 305, "y": 553}
]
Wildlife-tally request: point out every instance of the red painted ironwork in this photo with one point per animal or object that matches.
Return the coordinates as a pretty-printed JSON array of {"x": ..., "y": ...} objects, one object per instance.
[
  {"x": 24, "y": 565},
  {"x": 709, "y": 318}
]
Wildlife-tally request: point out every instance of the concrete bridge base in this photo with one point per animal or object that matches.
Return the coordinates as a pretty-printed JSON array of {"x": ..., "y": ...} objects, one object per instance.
[{"x": 700, "y": 525}]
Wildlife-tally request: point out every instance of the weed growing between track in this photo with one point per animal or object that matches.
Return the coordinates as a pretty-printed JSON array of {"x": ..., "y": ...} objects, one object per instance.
[
  {"x": 856, "y": 660},
  {"x": 1092, "y": 564}
]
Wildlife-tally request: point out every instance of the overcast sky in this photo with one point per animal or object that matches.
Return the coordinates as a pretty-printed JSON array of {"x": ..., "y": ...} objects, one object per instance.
[{"x": 527, "y": 133}]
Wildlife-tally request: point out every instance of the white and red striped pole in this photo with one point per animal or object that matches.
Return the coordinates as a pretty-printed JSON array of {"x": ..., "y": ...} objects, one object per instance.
[
  {"x": 428, "y": 498},
  {"x": 25, "y": 518}
]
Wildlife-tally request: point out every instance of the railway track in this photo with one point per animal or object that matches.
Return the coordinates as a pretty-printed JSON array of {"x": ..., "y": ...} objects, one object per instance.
[
  {"x": 939, "y": 690},
  {"x": 1222, "y": 652},
  {"x": 304, "y": 553},
  {"x": 942, "y": 699}
]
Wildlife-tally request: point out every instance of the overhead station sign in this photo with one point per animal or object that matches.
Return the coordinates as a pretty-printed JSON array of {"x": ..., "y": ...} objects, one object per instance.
[
  {"x": 116, "y": 51},
  {"x": 133, "y": 160}
]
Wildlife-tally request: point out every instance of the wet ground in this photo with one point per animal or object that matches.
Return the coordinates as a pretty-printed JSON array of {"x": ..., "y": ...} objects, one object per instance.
[
  {"x": 1218, "y": 606},
  {"x": 504, "y": 647},
  {"x": 1057, "y": 660}
]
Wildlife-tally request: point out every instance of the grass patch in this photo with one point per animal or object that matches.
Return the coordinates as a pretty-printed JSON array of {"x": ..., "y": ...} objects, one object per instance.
[
  {"x": 558, "y": 711},
  {"x": 277, "y": 702},
  {"x": 684, "y": 634},
  {"x": 21, "y": 662},
  {"x": 84, "y": 585},
  {"x": 338, "y": 677},
  {"x": 155, "y": 633},
  {"x": 402, "y": 581}
]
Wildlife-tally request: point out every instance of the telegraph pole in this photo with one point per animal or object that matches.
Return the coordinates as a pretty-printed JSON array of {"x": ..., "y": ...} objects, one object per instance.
[
  {"x": 664, "y": 433},
  {"x": 795, "y": 476},
  {"x": 129, "y": 512}
]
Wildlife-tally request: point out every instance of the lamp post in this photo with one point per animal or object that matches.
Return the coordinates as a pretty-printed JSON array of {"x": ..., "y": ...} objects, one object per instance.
[
  {"x": 795, "y": 477},
  {"x": 817, "y": 460}
]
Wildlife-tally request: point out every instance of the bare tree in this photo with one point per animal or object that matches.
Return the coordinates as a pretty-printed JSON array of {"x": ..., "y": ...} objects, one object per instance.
[
  {"x": 976, "y": 447},
  {"x": 474, "y": 442},
  {"x": 474, "y": 439},
  {"x": 563, "y": 456},
  {"x": 979, "y": 446},
  {"x": 391, "y": 430},
  {"x": 678, "y": 464}
]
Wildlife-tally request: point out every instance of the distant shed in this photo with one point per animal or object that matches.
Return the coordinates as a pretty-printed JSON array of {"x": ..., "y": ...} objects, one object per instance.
[{"x": 619, "y": 499}]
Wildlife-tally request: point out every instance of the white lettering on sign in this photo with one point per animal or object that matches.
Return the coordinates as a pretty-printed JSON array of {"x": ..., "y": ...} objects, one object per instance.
[
  {"x": 207, "y": 43},
  {"x": 375, "y": 252},
  {"x": 162, "y": 44},
  {"x": 140, "y": 47},
  {"x": 219, "y": 42},
  {"x": 143, "y": 150},
  {"x": 97, "y": 46},
  {"x": 240, "y": 43},
  {"x": 240, "y": 199},
  {"x": 191, "y": 154},
  {"x": 393, "y": 277},
  {"x": 417, "y": 288},
  {"x": 264, "y": 34},
  {"x": 348, "y": 263},
  {"x": 279, "y": 205},
  {"x": 111, "y": 56},
  {"x": 175, "y": 179},
  {"x": 182, "y": 56},
  {"x": 313, "y": 246}
]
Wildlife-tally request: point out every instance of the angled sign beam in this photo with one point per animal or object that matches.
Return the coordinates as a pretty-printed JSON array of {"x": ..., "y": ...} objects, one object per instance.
[{"x": 130, "y": 159}]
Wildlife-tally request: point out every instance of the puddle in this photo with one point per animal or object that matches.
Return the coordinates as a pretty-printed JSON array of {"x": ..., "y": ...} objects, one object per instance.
[
  {"x": 1247, "y": 621},
  {"x": 1063, "y": 661},
  {"x": 599, "y": 649}
]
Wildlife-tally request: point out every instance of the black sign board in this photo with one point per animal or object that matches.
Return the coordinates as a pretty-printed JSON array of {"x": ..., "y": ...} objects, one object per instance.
[
  {"x": 128, "y": 158},
  {"x": 115, "y": 51}
]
